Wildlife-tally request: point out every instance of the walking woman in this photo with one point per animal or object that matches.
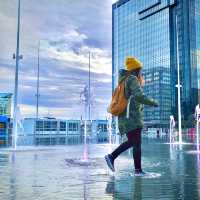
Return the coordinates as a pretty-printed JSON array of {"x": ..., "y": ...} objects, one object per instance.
[{"x": 130, "y": 121}]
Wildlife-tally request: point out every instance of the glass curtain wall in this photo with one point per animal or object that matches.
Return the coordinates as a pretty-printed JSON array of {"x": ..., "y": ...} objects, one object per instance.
[{"x": 147, "y": 38}]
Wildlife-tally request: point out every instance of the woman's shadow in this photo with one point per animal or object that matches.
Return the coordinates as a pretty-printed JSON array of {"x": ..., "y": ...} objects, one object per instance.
[{"x": 115, "y": 188}]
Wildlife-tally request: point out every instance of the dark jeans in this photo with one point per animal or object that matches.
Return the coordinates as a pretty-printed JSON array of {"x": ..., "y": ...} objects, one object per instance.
[{"x": 134, "y": 140}]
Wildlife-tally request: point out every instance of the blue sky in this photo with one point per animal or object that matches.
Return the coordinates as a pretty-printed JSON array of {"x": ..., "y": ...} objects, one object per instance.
[{"x": 67, "y": 29}]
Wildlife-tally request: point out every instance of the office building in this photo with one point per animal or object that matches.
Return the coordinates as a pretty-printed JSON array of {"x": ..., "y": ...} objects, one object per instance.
[
  {"x": 158, "y": 32},
  {"x": 5, "y": 104},
  {"x": 52, "y": 131}
]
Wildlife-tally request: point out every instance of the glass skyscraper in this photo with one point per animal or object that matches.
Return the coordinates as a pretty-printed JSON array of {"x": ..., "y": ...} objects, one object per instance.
[
  {"x": 5, "y": 104},
  {"x": 152, "y": 31},
  {"x": 5, "y": 114}
]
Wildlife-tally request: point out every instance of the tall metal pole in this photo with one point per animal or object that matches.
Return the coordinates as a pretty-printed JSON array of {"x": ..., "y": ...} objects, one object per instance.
[
  {"x": 17, "y": 57},
  {"x": 37, "y": 94},
  {"x": 89, "y": 93},
  {"x": 178, "y": 86},
  {"x": 38, "y": 79}
]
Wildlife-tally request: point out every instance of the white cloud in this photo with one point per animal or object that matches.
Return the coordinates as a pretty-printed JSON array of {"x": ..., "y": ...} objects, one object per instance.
[
  {"x": 100, "y": 59},
  {"x": 67, "y": 32},
  {"x": 74, "y": 36}
]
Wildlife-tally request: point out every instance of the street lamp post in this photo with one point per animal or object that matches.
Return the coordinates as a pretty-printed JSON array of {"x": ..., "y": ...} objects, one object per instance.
[
  {"x": 37, "y": 94},
  {"x": 178, "y": 86},
  {"x": 38, "y": 80},
  {"x": 17, "y": 57},
  {"x": 89, "y": 92}
]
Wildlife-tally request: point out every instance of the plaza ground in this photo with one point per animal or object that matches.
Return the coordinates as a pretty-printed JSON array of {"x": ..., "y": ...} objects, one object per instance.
[{"x": 80, "y": 172}]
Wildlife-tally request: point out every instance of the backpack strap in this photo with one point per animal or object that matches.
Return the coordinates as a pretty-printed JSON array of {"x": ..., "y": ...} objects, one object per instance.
[
  {"x": 128, "y": 107},
  {"x": 129, "y": 100},
  {"x": 125, "y": 84}
]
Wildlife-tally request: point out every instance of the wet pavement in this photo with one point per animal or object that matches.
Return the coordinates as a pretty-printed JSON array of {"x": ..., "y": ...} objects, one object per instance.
[{"x": 79, "y": 172}]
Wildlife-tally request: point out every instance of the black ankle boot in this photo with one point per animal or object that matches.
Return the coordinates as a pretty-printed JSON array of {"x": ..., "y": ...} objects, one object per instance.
[{"x": 110, "y": 162}]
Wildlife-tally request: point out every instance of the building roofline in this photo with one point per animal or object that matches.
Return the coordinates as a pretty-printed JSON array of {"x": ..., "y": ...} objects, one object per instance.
[
  {"x": 59, "y": 119},
  {"x": 5, "y": 95},
  {"x": 119, "y": 3}
]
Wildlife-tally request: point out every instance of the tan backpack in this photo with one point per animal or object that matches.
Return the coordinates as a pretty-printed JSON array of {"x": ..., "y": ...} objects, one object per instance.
[{"x": 119, "y": 102}]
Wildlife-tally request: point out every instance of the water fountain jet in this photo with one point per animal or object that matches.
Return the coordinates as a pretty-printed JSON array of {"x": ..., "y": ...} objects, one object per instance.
[{"x": 197, "y": 116}]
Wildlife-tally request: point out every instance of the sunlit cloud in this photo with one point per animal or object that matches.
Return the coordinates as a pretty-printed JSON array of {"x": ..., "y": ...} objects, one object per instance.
[{"x": 66, "y": 38}]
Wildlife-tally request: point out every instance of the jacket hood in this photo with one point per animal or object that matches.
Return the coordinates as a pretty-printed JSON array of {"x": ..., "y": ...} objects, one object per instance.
[{"x": 123, "y": 73}]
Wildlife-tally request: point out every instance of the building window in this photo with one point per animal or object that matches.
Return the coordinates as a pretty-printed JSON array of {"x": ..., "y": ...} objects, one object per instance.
[
  {"x": 46, "y": 126},
  {"x": 62, "y": 126},
  {"x": 5, "y": 105},
  {"x": 53, "y": 126},
  {"x": 2, "y": 128},
  {"x": 72, "y": 126},
  {"x": 39, "y": 125},
  {"x": 102, "y": 127}
]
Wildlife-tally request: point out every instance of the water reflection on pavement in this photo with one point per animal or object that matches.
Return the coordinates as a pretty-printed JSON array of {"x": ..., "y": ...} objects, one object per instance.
[{"x": 66, "y": 173}]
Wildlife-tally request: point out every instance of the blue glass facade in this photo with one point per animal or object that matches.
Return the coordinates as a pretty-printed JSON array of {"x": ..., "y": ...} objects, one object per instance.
[
  {"x": 4, "y": 133},
  {"x": 5, "y": 104},
  {"x": 148, "y": 30},
  {"x": 195, "y": 49},
  {"x": 186, "y": 30}
]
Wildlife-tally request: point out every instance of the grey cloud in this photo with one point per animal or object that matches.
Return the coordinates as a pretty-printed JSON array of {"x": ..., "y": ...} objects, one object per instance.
[
  {"x": 69, "y": 83},
  {"x": 52, "y": 21}
]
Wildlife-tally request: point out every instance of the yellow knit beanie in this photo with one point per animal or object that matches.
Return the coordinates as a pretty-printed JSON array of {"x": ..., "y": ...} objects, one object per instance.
[{"x": 132, "y": 63}]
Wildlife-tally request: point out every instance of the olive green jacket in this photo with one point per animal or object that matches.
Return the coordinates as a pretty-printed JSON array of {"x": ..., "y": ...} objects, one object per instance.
[{"x": 133, "y": 90}]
